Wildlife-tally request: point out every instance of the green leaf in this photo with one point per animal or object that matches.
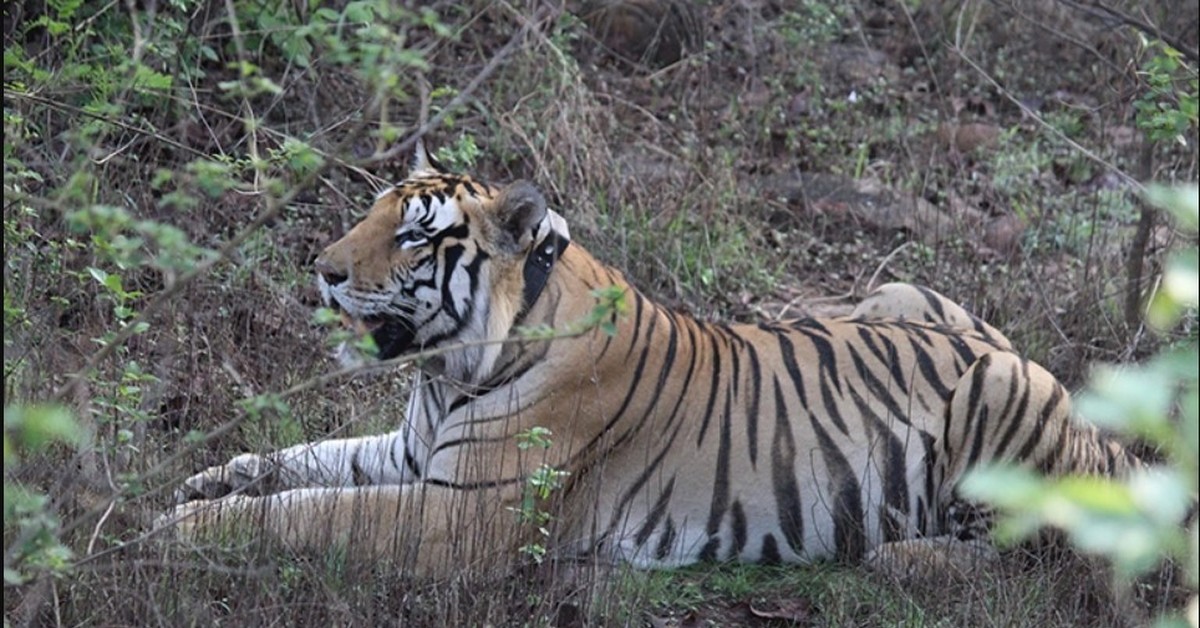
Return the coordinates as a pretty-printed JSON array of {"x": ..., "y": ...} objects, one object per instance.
[
  {"x": 1182, "y": 202},
  {"x": 1108, "y": 404},
  {"x": 98, "y": 274},
  {"x": 1002, "y": 485},
  {"x": 37, "y": 425},
  {"x": 12, "y": 577},
  {"x": 359, "y": 12},
  {"x": 325, "y": 316}
]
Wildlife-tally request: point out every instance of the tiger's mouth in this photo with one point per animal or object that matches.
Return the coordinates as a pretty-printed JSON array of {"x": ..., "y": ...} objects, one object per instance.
[
  {"x": 393, "y": 336},
  {"x": 360, "y": 326}
]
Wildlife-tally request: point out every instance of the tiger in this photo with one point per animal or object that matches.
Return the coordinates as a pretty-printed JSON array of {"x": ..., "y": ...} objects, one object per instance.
[{"x": 660, "y": 439}]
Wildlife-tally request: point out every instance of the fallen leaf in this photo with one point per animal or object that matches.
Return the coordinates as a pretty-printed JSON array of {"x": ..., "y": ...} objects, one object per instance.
[{"x": 796, "y": 611}]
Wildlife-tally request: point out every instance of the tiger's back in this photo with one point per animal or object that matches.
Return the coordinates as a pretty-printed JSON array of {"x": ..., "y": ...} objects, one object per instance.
[{"x": 771, "y": 442}]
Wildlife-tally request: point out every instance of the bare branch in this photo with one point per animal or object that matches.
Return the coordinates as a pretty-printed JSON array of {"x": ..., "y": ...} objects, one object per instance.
[{"x": 1096, "y": 8}]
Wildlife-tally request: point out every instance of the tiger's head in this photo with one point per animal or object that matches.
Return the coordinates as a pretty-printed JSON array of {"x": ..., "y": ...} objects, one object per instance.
[{"x": 442, "y": 259}]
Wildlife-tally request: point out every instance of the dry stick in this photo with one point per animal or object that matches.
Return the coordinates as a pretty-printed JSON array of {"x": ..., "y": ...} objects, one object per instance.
[
  {"x": 1141, "y": 239},
  {"x": 1101, "y": 10},
  {"x": 1059, "y": 34},
  {"x": 54, "y": 104},
  {"x": 488, "y": 69},
  {"x": 883, "y": 264},
  {"x": 1134, "y": 183},
  {"x": 210, "y": 567}
]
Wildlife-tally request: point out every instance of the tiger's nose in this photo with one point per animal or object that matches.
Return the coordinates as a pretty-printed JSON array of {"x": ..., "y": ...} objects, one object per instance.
[{"x": 329, "y": 273}]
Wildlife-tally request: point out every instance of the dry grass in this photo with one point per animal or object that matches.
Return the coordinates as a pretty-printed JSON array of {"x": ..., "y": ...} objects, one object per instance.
[{"x": 673, "y": 174}]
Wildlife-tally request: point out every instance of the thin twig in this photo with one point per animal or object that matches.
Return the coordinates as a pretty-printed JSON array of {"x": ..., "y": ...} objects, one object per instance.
[
  {"x": 884, "y": 263},
  {"x": 61, "y": 106},
  {"x": 488, "y": 69},
  {"x": 1103, "y": 11},
  {"x": 1033, "y": 115}
]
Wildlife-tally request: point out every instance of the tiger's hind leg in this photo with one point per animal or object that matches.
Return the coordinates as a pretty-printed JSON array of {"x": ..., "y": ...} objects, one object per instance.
[
  {"x": 1003, "y": 409},
  {"x": 1008, "y": 409}
]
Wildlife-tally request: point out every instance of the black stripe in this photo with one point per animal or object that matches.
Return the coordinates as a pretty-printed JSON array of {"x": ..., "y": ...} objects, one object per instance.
[
  {"x": 708, "y": 553},
  {"x": 914, "y": 330},
  {"x": 783, "y": 476},
  {"x": 685, "y": 384},
  {"x": 934, "y": 300},
  {"x": 738, "y": 524},
  {"x": 979, "y": 428},
  {"x": 974, "y": 396},
  {"x": 358, "y": 475},
  {"x": 411, "y": 462},
  {"x": 960, "y": 347},
  {"x": 770, "y": 550},
  {"x": 826, "y": 358},
  {"x": 618, "y": 513},
  {"x": 636, "y": 380},
  {"x": 877, "y": 387},
  {"x": 1044, "y": 418},
  {"x": 787, "y": 353},
  {"x": 475, "y": 486},
  {"x": 929, "y": 370},
  {"x": 892, "y": 526},
  {"x": 894, "y": 467},
  {"x": 752, "y": 414},
  {"x": 831, "y": 407},
  {"x": 639, "y": 305},
  {"x": 720, "y": 496},
  {"x": 392, "y": 454},
  {"x": 890, "y": 361},
  {"x": 1018, "y": 416},
  {"x": 666, "y": 541},
  {"x": 656, "y": 513},
  {"x": 850, "y": 540},
  {"x": 1045, "y": 464},
  {"x": 468, "y": 440},
  {"x": 713, "y": 387},
  {"x": 931, "y": 482}
]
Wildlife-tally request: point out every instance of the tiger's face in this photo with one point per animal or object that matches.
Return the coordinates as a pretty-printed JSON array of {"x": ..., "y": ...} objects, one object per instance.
[{"x": 436, "y": 260}]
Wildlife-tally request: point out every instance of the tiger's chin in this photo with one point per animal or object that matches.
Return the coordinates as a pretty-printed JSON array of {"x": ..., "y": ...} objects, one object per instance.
[{"x": 392, "y": 337}]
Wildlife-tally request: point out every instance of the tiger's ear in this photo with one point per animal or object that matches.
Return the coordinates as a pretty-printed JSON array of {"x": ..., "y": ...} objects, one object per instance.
[
  {"x": 423, "y": 161},
  {"x": 518, "y": 210}
]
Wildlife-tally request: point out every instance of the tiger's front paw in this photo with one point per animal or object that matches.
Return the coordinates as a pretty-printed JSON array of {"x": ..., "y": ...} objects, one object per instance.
[
  {"x": 247, "y": 471},
  {"x": 195, "y": 519}
]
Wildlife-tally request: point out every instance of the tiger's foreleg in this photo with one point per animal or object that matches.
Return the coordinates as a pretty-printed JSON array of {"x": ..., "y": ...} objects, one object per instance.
[
  {"x": 346, "y": 462},
  {"x": 428, "y": 530}
]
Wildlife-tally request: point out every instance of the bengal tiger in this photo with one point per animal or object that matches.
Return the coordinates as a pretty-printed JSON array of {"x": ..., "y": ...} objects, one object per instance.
[{"x": 662, "y": 440}]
